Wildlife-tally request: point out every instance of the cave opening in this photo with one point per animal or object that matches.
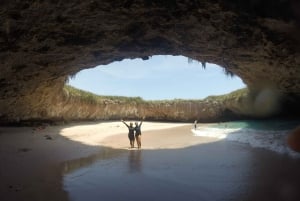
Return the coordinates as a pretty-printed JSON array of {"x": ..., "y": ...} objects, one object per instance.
[
  {"x": 160, "y": 77},
  {"x": 43, "y": 42}
]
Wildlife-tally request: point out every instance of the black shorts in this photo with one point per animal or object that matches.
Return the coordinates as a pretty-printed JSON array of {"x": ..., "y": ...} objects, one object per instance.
[
  {"x": 138, "y": 134},
  {"x": 131, "y": 136}
]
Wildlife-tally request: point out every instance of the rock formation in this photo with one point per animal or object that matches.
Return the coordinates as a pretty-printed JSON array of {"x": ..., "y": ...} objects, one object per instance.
[
  {"x": 80, "y": 105},
  {"x": 43, "y": 42},
  {"x": 293, "y": 139}
]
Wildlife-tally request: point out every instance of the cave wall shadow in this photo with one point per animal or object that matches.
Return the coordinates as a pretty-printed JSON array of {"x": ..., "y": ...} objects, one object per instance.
[
  {"x": 249, "y": 174},
  {"x": 207, "y": 169}
]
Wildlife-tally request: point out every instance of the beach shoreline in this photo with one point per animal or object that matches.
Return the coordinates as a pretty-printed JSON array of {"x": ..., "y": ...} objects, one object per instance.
[
  {"x": 34, "y": 160},
  {"x": 31, "y": 157}
]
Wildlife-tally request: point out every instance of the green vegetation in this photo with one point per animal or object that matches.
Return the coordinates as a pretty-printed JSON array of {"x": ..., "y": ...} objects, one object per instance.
[
  {"x": 226, "y": 71},
  {"x": 233, "y": 95},
  {"x": 84, "y": 96},
  {"x": 87, "y": 97}
]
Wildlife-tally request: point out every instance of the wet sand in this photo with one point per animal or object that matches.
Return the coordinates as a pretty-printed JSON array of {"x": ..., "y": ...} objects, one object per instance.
[
  {"x": 72, "y": 163},
  {"x": 32, "y": 158},
  {"x": 169, "y": 138}
]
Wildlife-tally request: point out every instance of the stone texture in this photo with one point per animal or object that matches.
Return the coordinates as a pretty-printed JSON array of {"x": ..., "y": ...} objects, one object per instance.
[
  {"x": 43, "y": 42},
  {"x": 211, "y": 109},
  {"x": 293, "y": 139}
]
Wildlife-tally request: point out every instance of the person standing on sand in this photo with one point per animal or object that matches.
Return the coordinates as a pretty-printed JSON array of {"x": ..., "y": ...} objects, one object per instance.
[
  {"x": 138, "y": 133},
  {"x": 195, "y": 124},
  {"x": 130, "y": 132}
]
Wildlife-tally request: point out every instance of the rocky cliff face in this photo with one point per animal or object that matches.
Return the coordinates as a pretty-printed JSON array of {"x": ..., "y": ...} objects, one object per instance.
[
  {"x": 43, "y": 42},
  {"x": 80, "y": 105},
  {"x": 76, "y": 104}
]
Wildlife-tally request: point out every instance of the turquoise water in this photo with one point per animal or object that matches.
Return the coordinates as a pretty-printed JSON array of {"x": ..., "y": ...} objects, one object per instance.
[{"x": 275, "y": 124}]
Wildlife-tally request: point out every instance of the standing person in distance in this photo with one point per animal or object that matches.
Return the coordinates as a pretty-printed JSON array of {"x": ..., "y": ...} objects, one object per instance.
[
  {"x": 131, "y": 130},
  {"x": 138, "y": 133},
  {"x": 195, "y": 124}
]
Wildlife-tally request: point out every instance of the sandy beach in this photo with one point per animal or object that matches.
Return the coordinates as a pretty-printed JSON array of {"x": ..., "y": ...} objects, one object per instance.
[
  {"x": 32, "y": 157},
  {"x": 83, "y": 161}
]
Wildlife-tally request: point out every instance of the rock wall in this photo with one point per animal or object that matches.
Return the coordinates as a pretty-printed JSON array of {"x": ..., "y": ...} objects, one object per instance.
[
  {"x": 76, "y": 104},
  {"x": 43, "y": 42}
]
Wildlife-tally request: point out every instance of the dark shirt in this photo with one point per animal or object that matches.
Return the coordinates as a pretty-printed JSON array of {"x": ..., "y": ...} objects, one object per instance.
[
  {"x": 130, "y": 130},
  {"x": 138, "y": 130}
]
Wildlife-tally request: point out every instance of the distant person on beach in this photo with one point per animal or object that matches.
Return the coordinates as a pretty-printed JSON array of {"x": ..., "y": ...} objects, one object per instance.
[
  {"x": 131, "y": 130},
  {"x": 195, "y": 124},
  {"x": 138, "y": 133}
]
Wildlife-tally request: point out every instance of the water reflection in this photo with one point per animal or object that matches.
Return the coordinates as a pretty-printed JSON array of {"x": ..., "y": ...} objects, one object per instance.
[
  {"x": 106, "y": 153},
  {"x": 135, "y": 161},
  {"x": 169, "y": 175},
  {"x": 217, "y": 171}
]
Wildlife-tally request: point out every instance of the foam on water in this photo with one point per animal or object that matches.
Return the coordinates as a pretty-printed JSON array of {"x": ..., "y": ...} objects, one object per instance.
[{"x": 274, "y": 140}]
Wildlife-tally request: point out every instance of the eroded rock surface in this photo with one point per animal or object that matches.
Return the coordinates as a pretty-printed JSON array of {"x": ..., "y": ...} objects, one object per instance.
[{"x": 43, "y": 42}]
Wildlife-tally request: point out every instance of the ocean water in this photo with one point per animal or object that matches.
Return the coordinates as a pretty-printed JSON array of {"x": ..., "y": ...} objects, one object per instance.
[
  {"x": 267, "y": 134},
  {"x": 275, "y": 124},
  {"x": 218, "y": 171}
]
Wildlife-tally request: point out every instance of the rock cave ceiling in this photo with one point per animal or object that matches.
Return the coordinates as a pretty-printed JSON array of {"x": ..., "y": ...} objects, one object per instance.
[{"x": 43, "y": 42}]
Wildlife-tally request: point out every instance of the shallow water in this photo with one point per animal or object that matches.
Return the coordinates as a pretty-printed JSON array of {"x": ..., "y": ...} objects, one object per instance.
[
  {"x": 217, "y": 171},
  {"x": 267, "y": 134},
  {"x": 272, "y": 124}
]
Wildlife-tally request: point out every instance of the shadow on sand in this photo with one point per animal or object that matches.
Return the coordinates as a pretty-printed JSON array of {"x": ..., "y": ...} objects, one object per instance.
[
  {"x": 219, "y": 170},
  {"x": 216, "y": 171}
]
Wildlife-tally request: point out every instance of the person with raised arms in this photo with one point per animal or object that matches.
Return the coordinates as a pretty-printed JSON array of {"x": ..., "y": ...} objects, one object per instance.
[
  {"x": 138, "y": 133},
  {"x": 131, "y": 130}
]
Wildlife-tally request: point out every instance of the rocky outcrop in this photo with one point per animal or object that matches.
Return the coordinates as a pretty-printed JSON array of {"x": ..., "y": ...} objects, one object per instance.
[
  {"x": 43, "y": 42},
  {"x": 76, "y": 104}
]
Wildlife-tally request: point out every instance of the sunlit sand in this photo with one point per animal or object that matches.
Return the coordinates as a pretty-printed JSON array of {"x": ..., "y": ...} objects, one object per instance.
[
  {"x": 63, "y": 162},
  {"x": 94, "y": 134}
]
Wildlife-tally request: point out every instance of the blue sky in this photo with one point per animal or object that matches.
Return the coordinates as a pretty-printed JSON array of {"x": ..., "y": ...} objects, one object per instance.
[{"x": 160, "y": 77}]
